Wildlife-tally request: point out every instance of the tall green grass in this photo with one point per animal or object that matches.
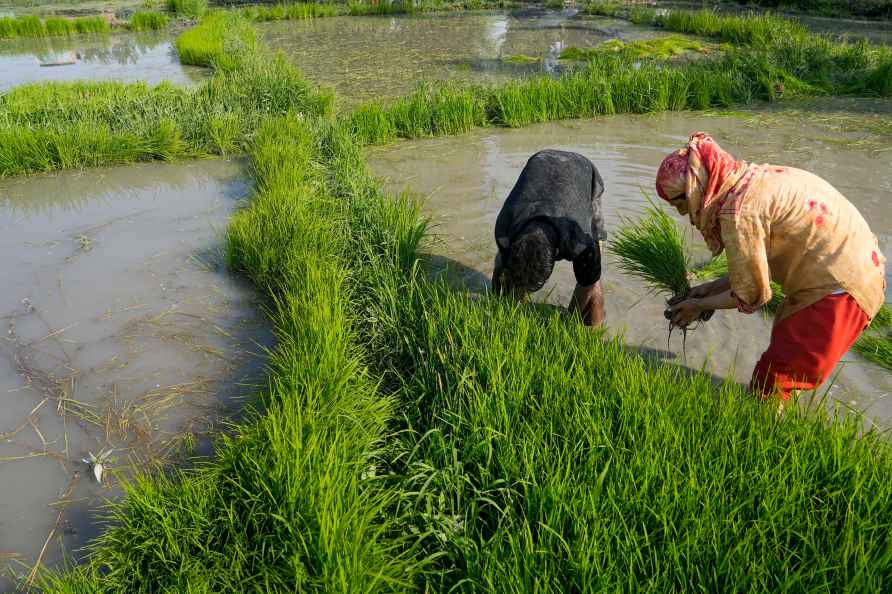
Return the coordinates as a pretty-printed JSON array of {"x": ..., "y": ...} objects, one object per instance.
[
  {"x": 292, "y": 501},
  {"x": 610, "y": 84},
  {"x": 32, "y": 26},
  {"x": 218, "y": 41},
  {"x": 147, "y": 21},
  {"x": 868, "y": 8},
  {"x": 192, "y": 9},
  {"x": 288, "y": 11}
]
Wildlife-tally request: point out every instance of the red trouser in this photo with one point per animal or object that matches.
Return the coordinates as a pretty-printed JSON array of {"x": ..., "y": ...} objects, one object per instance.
[{"x": 806, "y": 346}]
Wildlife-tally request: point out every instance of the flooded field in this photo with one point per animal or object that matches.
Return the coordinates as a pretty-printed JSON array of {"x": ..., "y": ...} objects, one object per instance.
[
  {"x": 148, "y": 57},
  {"x": 465, "y": 179},
  {"x": 366, "y": 58},
  {"x": 119, "y": 329}
]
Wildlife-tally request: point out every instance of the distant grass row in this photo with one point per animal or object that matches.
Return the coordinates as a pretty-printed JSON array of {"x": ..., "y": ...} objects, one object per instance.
[
  {"x": 866, "y": 8},
  {"x": 32, "y": 26},
  {"x": 51, "y": 126},
  {"x": 774, "y": 58}
]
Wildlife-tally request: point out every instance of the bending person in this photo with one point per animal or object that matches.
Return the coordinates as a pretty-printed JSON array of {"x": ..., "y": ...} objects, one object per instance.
[
  {"x": 553, "y": 213},
  {"x": 786, "y": 225}
]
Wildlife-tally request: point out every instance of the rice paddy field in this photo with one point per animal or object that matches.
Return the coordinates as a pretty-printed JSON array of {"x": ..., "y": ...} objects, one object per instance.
[
  {"x": 265, "y": 290},
  {"x": 386, "y": 57}
]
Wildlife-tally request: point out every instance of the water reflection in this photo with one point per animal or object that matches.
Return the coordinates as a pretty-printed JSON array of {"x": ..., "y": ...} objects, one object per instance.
[{"x": 148, "y": 57}]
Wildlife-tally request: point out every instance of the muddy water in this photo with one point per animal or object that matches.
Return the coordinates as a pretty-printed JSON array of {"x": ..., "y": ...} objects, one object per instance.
[
  {"x": 366, "y": 58},
  {"x": 119, "y": 328},
  {"x": 148, "y": 57},
  {"x": 465, "y": 179}
]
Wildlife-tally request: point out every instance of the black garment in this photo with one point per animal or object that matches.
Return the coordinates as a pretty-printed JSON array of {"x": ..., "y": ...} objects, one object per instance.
[{"x": 564, "y": 190}]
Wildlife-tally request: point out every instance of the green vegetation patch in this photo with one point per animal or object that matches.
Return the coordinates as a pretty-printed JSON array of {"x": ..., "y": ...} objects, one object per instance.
[
  {"x": 32, "y": 26},
  {"x": 289, "y": 11},
  {"x": 51, "y": 126},
  {"x": 660, "y": 48},
  {"x": 217, "y": 41},
  {"x": 191, "y": 9},
  {"x": 148, "y": 21},
  {"x": 522, "y": 59}
]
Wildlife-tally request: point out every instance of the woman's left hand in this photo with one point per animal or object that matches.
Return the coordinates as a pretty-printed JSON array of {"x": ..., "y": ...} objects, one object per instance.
[{"x": 682, "y": 314}]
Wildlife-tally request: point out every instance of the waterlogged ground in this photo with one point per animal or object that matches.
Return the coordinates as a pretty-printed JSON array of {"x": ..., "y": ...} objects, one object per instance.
[
  {"x": 119, "y": 328},
  {"x": 465, "y": 179},
  {"x": 875, "y": 31},
  {"x": 366, "y": 58},
  {"x": 149, "y": 57}
]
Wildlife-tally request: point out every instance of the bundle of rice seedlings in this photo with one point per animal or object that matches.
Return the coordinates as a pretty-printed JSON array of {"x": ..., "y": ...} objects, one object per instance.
[{"x": 654, "y": 250}]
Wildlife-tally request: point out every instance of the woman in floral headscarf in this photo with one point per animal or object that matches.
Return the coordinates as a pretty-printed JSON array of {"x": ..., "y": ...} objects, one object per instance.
[{"x": 786, "y": 225}]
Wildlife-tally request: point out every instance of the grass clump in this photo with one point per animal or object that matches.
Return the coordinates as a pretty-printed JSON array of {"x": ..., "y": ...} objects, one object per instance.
[
  {"x": 192, "y": 9},
  {"x": 522, "y": 59},
  {"x": 289, "y": 11},
  {"x": 147, "y": 21},
  {"x": 32, "y": 26},
  {"x": 292, "y": 499},
  {"x": 383, "y": 7},
  {"x": 661, "y": 48},
  {"x": 609, "y": 84},
  {"x": 217, "y": 41}
]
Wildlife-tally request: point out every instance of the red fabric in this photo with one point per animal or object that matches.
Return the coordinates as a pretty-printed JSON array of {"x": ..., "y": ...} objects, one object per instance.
[
  {"x": 718, "y": 164},
  {"x": 806, "y": 346},
  {"x": 706, "y": 176},
  {"x": 672, "y": 174}
]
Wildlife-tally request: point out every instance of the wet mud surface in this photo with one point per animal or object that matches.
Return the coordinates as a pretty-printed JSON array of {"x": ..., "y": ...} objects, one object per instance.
[{"x": 120, "y": 328}]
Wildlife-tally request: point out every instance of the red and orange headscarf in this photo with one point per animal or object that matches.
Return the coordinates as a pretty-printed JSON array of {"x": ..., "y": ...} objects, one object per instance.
[{"x": 704, "y": 174}]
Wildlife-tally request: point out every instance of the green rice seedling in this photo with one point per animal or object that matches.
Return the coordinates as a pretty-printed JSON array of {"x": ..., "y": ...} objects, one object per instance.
[
  {"x": 609, "y": 8},
  {"x": 522, "y": 59},
  {"x": 289, "y": 11},
  {"x": 383, "y": 7},
  {"x": 880, "y": 80},
  {"x": 58, "y": 27},
  {"x": 147, "y": 21},
  {"x": 217, "y": 41},
  {"x": 192, "y": 9},
  {"x": 883, "y": 319},
  {"x": 654, "y": 250},
  {"x": 25, "y": 26},
  {"x": 876, "y": 347},
  {"x": 643, "y": 16}
]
